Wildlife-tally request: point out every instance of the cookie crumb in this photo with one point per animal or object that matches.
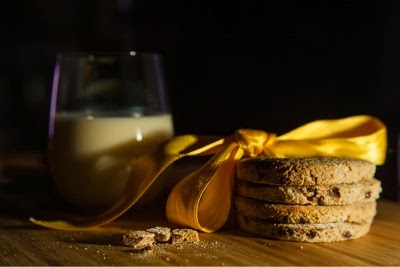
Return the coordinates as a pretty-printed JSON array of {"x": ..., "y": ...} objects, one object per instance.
[
  {"x": 162, "y": 234},
  {"x": 139, "y": 240},
  {"x": 184, "y": 235}
]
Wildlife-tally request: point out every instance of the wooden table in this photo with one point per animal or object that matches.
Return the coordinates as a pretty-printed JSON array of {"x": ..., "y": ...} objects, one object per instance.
[{"x": 22, "y": 243}]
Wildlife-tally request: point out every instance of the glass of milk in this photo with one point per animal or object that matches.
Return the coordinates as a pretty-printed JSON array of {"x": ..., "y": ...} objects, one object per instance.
[{"x": 106, "y": 110}]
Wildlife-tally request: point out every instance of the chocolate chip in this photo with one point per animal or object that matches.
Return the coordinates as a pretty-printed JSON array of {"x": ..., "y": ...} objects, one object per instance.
[
  {"x": 368, "y": 194},
  {"x": 304, "y": 219},
  {"x": 311, "y": 234},
  {"x": 311, "y": 190},
  {"x": 286, "y": 219},
  {"x": 286, "y": 232},
  {"x": 336, "y": 192},
  {"x": 347, "y": 234}
]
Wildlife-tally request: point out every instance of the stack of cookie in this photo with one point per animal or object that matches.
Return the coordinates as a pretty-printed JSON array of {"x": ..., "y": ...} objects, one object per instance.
[{"x": 306, "y": 199}]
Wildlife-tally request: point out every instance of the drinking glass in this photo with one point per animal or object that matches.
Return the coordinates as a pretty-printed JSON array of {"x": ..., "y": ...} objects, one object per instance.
[{"x": 106, "y": 110}]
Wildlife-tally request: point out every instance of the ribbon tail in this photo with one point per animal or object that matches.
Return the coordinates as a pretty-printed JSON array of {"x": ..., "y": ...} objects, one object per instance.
[
  {"x": 202, "y": 200},
  {"x": 144, "y": 172}
]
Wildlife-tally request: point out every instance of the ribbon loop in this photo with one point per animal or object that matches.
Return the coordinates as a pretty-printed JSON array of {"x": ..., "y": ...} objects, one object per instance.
[{"x": 193, "y": 202}]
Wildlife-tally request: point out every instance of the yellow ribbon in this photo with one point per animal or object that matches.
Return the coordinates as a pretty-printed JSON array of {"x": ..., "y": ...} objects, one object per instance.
[{"x": 203, "y": 199}]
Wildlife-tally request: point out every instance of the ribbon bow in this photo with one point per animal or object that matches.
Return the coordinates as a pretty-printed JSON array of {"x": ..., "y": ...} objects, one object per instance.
[{"x": 202, "y": 200}]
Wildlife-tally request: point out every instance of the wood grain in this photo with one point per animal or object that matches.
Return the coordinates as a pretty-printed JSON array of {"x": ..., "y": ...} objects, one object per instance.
[{"x": 22, "y": 243}]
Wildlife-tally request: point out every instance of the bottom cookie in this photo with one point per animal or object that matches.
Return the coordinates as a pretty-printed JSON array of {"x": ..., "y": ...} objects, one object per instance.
[{"x": 311, "y": 233}]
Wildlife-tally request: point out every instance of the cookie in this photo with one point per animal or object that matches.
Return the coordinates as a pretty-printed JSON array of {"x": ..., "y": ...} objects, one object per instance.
[
  {"x": 138, "y": 240},
  {"x": 311, "y": 233},
  {"x": 305, "y": 214},
  {"x": 304, "y": 171},
  {"x": 162, "y": 234},
  {"x": 184, "y": 235},
  {"x": 337, "y": 194}
]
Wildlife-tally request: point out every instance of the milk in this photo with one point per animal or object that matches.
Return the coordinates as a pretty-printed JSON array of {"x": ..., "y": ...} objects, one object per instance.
[{"x": 92, "y": 156}]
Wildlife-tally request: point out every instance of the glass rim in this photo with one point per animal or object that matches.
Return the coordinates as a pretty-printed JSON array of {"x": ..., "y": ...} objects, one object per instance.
[{"x": 77, "y": 54}]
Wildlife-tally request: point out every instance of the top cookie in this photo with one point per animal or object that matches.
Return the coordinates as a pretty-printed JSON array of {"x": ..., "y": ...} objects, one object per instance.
[{"x": 304, "y": 171}]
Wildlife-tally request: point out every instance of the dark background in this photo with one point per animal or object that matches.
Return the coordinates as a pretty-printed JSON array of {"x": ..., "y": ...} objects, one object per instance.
[{"x": 270, "y": 65}]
